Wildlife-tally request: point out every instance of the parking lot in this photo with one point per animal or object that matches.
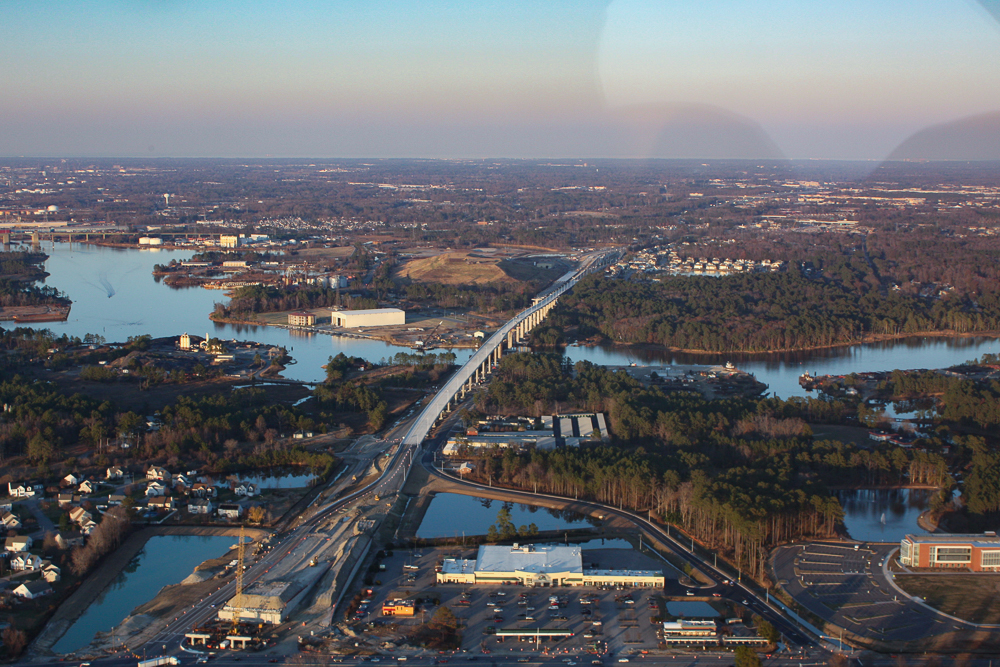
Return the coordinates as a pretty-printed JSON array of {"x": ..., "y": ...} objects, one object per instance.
[
  {"x": 847, "y": 586},
  {"x": 599, "y": 620}
]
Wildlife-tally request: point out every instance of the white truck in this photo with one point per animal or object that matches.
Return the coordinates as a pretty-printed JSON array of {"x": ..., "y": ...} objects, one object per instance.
[{"x": 162, "y": 660}]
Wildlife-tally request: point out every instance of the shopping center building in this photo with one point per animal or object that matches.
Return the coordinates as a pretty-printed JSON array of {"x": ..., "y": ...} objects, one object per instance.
[{"x": 543, "y": 565}]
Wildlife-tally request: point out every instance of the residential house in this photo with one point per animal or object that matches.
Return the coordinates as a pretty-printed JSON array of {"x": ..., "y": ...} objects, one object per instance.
[
  {"x": 114, "y": 472},
  {"x": 116, "y": 498},
  {"x": 157, "y": 473},
  {"x": 200, "y": 506},
  {"x": 71, "y": 480},
  {"x": 51, "y": 573},
  {"x": 9, "y": 520},
  {"x": 230, "y": 510},
  {"x": 180, "y": 479},
  {"x": 20, "y": 490},
  {"x": 32, "y": 590},
  {"x": 79, "y": 516},
  {"x": 17, "y": 544},
  {"x": 202, "y": 490},
  {"x": 155, "y": 489},
  {"x": 87, "y": 486},
  {"x": 25, "y": 561},
  {"x": 161, "y": 503},
  {"x": 246, "y": 489},
  {"x": 66, "y": 499},
  {"x": 88, "y": 526}
]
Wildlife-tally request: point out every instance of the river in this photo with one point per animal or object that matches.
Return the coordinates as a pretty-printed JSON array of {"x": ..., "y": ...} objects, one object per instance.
[
  {"x": 164, "y": 560},
  {"x": 781, "y": 371},
  {"x": 114, "y": 295}
]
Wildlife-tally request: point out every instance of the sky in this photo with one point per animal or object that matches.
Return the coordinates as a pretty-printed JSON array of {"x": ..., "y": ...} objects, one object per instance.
[{"x": 826, "y": 79}]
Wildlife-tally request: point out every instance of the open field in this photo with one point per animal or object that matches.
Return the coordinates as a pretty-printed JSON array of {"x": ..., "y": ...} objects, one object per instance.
[
  {"x": 454, "y": 268},
  {"x": 973, "y": 597},
  {"x": 314, "y": 254}
]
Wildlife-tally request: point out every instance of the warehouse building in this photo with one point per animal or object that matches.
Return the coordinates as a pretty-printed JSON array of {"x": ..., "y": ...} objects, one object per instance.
[
  {"x": 543, "y": 565},
  {"x": 377, "y": 317},
  {"x": 978, "y": 552}
]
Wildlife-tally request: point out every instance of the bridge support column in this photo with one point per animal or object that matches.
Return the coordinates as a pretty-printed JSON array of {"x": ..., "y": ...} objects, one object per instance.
[{"x": 510, "y": 339}]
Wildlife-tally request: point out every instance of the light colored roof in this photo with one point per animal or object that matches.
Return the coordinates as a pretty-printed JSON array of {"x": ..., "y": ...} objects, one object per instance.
[
  {"x": 974, "y": 539},
  {"x": 458, "y": 566},
  {"x": 530, "y": 558},
  {"x": 271, "y": 596},
  {"x": 371, "y": 311},
  {"x": 623, "y": 573}
]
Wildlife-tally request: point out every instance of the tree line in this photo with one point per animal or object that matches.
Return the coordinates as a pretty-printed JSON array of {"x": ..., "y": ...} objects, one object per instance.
[
  {"x": 739, "y": 474},
  {"x": 759, "y": 312}
]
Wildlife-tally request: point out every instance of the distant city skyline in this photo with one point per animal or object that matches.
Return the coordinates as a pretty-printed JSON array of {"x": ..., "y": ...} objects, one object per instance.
[{"x": 438, "y": 79}]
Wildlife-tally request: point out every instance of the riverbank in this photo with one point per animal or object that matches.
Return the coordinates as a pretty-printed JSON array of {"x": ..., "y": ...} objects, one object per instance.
[
  {"x": 107, "y": 571},
  {"x": 755, "y": 354},
  {"x": 388, "y": 337}
]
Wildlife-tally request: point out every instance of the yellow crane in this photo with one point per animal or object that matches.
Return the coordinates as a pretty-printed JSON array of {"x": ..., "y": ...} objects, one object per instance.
[{"x": 238, "y": 598}]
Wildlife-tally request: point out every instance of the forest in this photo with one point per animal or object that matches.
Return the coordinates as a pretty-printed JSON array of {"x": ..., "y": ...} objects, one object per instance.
[
  {"x": 248, "y": 301},
  {"x": 741, "y": 475},
  {"x": 18, "y": 273},
  {"x": 760, "y": 312}
]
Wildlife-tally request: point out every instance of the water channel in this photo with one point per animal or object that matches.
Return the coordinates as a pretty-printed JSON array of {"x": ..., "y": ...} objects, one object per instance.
[
  {"x": 114, "y": 295},
  {"x": 164, "y": 560}
]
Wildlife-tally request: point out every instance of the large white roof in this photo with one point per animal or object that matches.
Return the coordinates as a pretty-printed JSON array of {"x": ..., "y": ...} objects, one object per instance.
[
  {"x": 529, "y": 558},
  {"x": 370, "y": 311}
]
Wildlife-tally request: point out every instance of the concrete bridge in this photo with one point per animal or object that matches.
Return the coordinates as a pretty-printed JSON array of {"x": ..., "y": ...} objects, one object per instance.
[{"x": 488, "y": 356}]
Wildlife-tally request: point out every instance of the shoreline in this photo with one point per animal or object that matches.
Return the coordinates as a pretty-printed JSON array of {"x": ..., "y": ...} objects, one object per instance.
[
  {"x": 385, "y": 338},
  {"x": 95, "y": 583},
  {"x": 867, "y": 340}
]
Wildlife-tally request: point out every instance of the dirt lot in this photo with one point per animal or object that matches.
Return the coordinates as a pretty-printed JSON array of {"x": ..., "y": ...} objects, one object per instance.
[
  {"x": 456, "y": 268},
  {"x": 973, "y": 597}
]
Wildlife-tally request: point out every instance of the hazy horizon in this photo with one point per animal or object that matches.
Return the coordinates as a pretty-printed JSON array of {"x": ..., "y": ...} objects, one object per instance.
[{"x": 725, "y": 79}]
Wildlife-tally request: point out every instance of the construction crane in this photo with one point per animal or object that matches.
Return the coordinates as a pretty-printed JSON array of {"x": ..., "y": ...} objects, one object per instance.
[{"x": 238, "y": 598}]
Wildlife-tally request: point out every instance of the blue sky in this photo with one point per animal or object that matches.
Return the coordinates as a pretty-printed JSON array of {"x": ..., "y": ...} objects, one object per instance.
[{"x": 607, "y": 78}]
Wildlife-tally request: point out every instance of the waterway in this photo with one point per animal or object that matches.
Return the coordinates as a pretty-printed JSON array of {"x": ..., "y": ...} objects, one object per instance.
[
  {"x": 164, "y": 560},
  {"x": 454, "y": 515},
  {"x": 781, "y": 371},
  {"x": 864, "y": 510},
  {"x": 115, "y": 295}
]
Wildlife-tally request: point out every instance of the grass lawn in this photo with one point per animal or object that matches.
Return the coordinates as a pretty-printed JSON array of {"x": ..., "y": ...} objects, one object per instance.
[{"x": 973, "y": 597}]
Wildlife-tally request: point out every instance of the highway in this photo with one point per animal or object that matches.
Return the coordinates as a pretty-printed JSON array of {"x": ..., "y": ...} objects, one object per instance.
[
  {"x": 450, "y": 389},
  {"x": 410, "y": 434}
]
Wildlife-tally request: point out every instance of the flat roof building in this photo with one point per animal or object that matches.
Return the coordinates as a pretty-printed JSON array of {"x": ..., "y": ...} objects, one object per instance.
[
  {"x": 542, "y": 565},
  {"x": 977, "y": 552},
  {"x": 263, "y": 602},
  {"x": 376, "y": 317},
  {"x": 399, "y": 607},
  {"x": 301, "y": 319}
]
